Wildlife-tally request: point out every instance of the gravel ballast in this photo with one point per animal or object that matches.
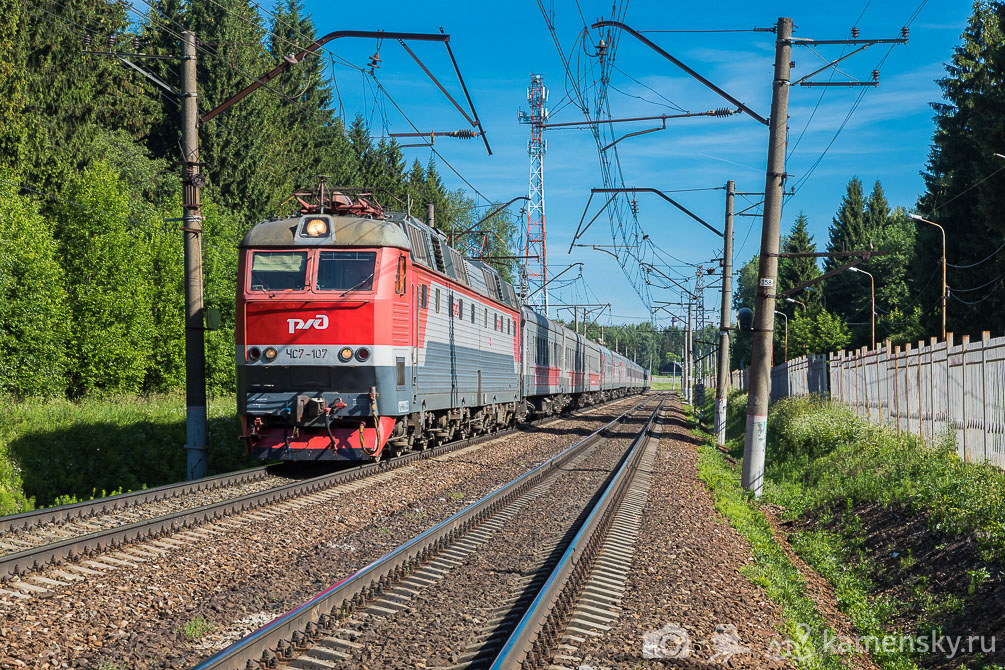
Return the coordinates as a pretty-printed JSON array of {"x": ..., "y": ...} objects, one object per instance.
[
  {"x": 685, "y": 590},
  {"x": 472, "y": 608},
  {"x": 197, "y": 591}
]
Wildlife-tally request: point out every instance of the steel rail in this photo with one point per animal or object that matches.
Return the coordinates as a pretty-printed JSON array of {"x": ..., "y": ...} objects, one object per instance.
[
  {"x": 37, "y": 557},
  {"x": 88, "y": 508},
  {"x": 303, "y": 622},
  {"x": 542, "y": 624}
]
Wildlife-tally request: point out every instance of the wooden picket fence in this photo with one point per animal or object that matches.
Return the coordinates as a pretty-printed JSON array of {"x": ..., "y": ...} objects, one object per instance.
[{"x": 931, "y": 390}]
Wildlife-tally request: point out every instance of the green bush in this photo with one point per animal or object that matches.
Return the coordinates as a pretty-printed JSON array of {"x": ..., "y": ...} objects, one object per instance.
[
  {"x": 34, "y": 324},
  {"x": 106, "y": 261}
]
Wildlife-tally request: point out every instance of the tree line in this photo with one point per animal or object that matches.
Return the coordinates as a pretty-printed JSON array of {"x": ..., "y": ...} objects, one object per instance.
[
  {"x": 964, "y": 194},
  {"x": 91, "y": 282}
]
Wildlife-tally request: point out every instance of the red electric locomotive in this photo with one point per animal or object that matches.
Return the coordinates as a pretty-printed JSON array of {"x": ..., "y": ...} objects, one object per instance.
[{"x": 359, "y": 329}]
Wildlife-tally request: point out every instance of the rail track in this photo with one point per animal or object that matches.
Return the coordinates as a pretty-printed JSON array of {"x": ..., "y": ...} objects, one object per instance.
[
  {"x": 34, "y": 540},
  {"x": 566, "y": 506}
]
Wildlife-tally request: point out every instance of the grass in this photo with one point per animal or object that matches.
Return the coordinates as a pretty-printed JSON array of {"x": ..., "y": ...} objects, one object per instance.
[
  {"x": 666, "y": 386},
  {"x": 197, "y": 628},
  {"x": 824, "y": 459},
  {"x": 825, "y": 464},
  {"x": 58, "y": 451},
  {"x": 772, "y": 570}
]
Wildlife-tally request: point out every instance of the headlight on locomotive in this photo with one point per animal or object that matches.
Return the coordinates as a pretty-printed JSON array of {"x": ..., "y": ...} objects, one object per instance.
[
  {"x": 362, "y": 354},
  {"x": 316, "y": 228},
  {"x": 270, "y": 354},
  {"x": 345, "y": 354}
]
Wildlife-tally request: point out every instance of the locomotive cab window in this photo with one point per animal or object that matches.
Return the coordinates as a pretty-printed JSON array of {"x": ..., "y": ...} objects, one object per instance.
[
  {"x": 346, "y": 270},
  {"x": 278, "y": 271}
]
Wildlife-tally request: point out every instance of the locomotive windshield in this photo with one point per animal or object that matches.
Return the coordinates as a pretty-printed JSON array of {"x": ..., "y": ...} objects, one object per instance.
[
  {"x": 346, "y": 270},
  {"x": 279, "y": 271}
]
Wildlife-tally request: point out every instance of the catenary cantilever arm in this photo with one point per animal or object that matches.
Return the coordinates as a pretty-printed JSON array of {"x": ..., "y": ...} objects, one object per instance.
[
  {"x": 649, "y": 43},
  {"x": 317, "y": 44}
]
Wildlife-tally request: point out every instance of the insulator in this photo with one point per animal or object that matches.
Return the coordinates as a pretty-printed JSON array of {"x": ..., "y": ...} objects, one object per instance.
[
  {"x": 136, "y": 44},
  {"x": 465, "y": 134},
  {"x": 111, "y": 41},
  {"x": 854, "y": 33},
  {"x": 904, "y": 32},
  {"x": 723, "y": 111},
  {"x": 875, "y": 75},
  {"x": 87, "y": 41}
]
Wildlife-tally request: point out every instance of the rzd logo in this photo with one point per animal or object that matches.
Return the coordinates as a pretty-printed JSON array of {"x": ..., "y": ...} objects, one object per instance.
[{"x": 320, "y": 321}]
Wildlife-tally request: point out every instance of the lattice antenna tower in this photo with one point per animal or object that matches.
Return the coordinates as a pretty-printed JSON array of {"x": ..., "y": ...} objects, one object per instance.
[{"x": 535, "y": 250}]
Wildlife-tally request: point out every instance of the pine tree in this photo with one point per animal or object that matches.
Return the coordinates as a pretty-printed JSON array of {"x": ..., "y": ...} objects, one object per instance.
[
  {"x": 877, "y": 209},
  {"x": 245, "y": 146},
  {"x": 12, "y": 89},
  {"x": 306, "y": 115},
  {"x": 848, "y": 295},
  {"x": 963, "y": 192},
  {"x": 795, "y": 271},
  {"x": 69, "y": 91}
]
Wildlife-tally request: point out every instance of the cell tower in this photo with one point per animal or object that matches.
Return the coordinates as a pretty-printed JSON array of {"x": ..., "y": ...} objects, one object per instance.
[{"x": 535, "y": 250}]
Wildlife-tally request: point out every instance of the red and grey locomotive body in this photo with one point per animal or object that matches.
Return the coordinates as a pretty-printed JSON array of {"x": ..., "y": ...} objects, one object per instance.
[
  {"x": 357, "y": 330},
  {"x": 361, "y": 333}
]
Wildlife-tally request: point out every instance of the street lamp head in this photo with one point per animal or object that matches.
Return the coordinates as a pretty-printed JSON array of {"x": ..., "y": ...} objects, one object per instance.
[
  {"x": 915, "y": 217},
  {"x": 789, "y": 300},
  {"x": 853, "y": 270}
]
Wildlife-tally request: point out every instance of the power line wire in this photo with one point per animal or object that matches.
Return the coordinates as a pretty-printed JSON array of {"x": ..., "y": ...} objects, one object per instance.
[{"x": 984, "y": 260}]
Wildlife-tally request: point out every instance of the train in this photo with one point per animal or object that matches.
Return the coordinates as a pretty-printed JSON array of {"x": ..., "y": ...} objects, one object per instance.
[{"x": 362, "y": 333}]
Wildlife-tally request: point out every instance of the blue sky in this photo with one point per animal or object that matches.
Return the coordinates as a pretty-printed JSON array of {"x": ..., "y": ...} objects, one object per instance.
[{"x": 498, "y": 45}]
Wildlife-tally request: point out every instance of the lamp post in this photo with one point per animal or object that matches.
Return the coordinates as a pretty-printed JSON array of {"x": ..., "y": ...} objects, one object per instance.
[
  {"x": 786, "y": 317},
  {"x": 872, "y": 293},
  {"x": 943, "y": 261},
  {"x": 797, "y": 302}
]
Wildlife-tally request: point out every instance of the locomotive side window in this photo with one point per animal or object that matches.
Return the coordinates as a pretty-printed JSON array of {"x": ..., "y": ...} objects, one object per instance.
[
  {"x": 424, "y": 297},
  {"x": 278, "y": 271},
  {"x": 460, "y": 308},
  {"x": 399, "y": 280},
  {"x": 486, "y": 324},
  {"x": 473, "y": 310},
  {"x": 437, "y": 301},
  {"x": 346, "y": 270}
]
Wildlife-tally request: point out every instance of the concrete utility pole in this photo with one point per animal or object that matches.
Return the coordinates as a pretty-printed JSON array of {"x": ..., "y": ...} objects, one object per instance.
[
  {"x": 764, "y": 311},
  {"x": 722, "y": 368},
  {"x": 688, "y": 357},
  {"x": 196, "y": 436}
]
